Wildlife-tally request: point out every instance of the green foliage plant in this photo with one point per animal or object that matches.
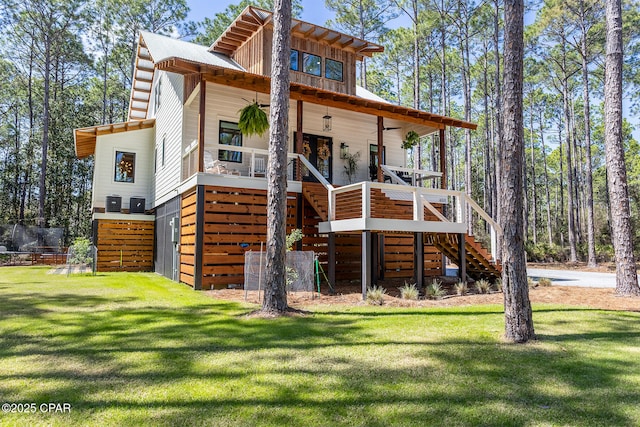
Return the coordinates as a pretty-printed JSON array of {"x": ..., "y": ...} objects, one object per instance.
[
  {"x": 375, "y": 295},
  {"x": 293, "y": 237},
  {"x": 253, "y": 120},
  {"x": 434, "y": 290},
  {"x": 498, "y": 285},
  {"x": 410, "y": 140},
  {"x": 351, "y": 165},
  {"x": 81, "y": 251},
  {"x": 483, "y": 286},
  {"x": 461, "y": 288},
  {"x": 409, "y": 291}
]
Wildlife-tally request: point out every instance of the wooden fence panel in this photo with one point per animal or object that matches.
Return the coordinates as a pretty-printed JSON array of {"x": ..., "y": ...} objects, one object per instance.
[{"x": 125, "y": 245}]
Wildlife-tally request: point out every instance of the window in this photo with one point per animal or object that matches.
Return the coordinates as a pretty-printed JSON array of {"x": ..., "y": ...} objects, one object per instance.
[
  {"x": 295, "y": 55},
  {"x": 333, "y": 69},
  {"x": 157, "y": 93},
  {"x": 164, "y": 148},
  {"x": 125, "y": 167},
  {"x": 230, "y": 135},
  {"x": 311, "y": 64}
]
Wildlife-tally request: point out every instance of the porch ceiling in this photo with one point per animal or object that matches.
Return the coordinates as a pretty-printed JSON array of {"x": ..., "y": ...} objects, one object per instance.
[
  {"x": 300, "y": 92},
  {"x": 85, "y": 138}
]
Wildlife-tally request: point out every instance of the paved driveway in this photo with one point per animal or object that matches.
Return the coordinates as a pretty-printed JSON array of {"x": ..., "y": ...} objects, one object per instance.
[{"x": 575, "y": 278}]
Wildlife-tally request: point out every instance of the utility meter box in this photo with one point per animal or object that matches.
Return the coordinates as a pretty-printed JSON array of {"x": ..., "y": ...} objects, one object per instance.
[{"x": 175, "y": 229}]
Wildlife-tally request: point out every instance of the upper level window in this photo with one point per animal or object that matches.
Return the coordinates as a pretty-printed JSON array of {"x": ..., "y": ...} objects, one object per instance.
[
  {"x": 125, "y": 167},
  {"x": 295, "y": 64},
  {"x": 333, "y": 69},
  {"x": 230, "y": 135},
  {"x": 311, "y": 64}
]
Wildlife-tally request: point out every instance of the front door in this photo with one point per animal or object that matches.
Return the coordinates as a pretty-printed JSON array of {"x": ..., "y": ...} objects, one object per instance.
[{"x": 318, "y": 150}]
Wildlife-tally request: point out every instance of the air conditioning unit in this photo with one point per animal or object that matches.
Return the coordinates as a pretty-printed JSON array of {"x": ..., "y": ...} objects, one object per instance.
[
  {"x": 114, "y": 203},
  {"x": 136, "y": 205}
]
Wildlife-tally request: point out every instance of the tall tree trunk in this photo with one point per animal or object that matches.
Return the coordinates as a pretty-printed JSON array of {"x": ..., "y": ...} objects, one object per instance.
[
  {"x": 517, "y": 307},
  {"x": 498, "y": 116},
  {"x": 534, "y": 198},
  {"x": 622, "y": 236},
  {"x": 546, "y": 180},
  {"x": 275, "y": 295},
  {"x": 571, "y": 225},
  {"x": 42, "y": 195},
  {"x": 591, "y": 240}
]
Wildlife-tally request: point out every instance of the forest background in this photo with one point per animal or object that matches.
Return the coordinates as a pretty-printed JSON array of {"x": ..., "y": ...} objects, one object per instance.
[{"x": 68, "y": 64}]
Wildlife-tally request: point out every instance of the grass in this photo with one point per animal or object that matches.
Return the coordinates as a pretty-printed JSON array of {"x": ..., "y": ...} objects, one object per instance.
[{"x": 136, "y": 349}]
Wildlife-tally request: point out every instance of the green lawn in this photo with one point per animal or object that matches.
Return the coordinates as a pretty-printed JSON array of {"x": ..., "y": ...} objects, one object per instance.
[{"x": 136, "y": 349}]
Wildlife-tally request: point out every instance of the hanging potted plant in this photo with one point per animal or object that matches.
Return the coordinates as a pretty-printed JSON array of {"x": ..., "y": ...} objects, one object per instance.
[
  {"x": 410, "y": 140},
  {"x": 253, "y": 120}
]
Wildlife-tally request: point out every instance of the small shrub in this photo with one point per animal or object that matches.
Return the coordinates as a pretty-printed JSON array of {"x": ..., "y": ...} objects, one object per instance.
[
  {"x": 532, "y": 283},
  {"x": 461, "y": 288},
  {"x": 375, "y": 295},
  {"x": 409, "y": 291},
  {"x": 483, "y": 286},
  {"x": 81, "y": 251},
  {"x": 434, "y": 290},
  {"x": 545, "y": 282},
  {"x": 498, "y": 285}
]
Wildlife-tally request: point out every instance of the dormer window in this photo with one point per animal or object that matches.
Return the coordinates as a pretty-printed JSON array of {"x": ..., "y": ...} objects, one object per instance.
[
  {"x": 333, "y": 69},
  {"x": 312, "y": 64}
]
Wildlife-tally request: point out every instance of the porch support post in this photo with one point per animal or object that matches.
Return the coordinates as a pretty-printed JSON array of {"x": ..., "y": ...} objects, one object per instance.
[
  {"x": 462, "y": 255},
  {"x": 380, "y": 149},
  {"x": 201, "y": 122},
  {"x": 199, "y": 244},
  {"x": 374, "y": 258},
  {"x": 331, "y": 263},
  {"x": 381, "y": 255},
  {"x": 298, "y": 142},
  {"x": 443, "y": 161},
  {"x": 418, "y": 250},
  {"x": 366, "y": 263}
]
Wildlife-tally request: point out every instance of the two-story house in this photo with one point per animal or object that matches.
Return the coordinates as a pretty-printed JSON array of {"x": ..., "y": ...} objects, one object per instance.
[{"x": 180, "y": 190}]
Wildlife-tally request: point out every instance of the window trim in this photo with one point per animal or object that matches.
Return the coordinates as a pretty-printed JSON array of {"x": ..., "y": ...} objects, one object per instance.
[
  {"x": 326, "y": 75},
  {"x": 304, "y": 55},
  {"x": 223, "y": 153},
  {"x": 125, "y": 180}
]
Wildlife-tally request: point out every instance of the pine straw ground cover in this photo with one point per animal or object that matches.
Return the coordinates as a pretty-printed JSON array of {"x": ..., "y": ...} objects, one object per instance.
[{"x": 136, "y": 349}]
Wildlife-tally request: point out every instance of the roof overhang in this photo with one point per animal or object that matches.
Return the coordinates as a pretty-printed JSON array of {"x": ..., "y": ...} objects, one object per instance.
[
  {"x": 141, "y": 83},
  {"x": 85, "y": 138},
  {"x": 262, "y": 84},
  {"x": 251, "y": 19}
]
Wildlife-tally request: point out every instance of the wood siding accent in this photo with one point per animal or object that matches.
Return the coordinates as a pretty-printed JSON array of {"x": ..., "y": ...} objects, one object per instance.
[
  {"x": 125, "y": 245},
  {"x": 188, "y": 237},
  {"x": 235, "y": 221},
  {"x": 255, "y": 56},
  {"x": 191, "y": 82}
]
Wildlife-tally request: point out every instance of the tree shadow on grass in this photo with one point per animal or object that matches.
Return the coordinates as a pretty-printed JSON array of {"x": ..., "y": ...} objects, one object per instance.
[{"x": 129, "y": 360}]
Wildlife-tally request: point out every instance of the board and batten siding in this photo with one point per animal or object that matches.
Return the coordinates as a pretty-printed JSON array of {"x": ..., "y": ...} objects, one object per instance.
[
  {"x": 169, "y": 124},
  {"x": 357, "y": 130},
  {"x": 139, "y": 142}
]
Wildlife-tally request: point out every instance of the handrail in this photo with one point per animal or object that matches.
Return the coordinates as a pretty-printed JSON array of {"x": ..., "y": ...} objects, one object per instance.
[
  {"x": 315, "y": 172},
  {"x": 420, "y": 201}
]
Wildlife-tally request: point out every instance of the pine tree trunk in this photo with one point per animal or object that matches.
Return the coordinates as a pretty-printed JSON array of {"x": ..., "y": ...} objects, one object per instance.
[
  {"x": 517, "y": 307},
  {"x": 534, "y": 198},
  {"x": 546, "y": 180},
  {"x": 275, "y": 295},
  {"x": 591, "y": 241},
  {"x": 626, "y": 276}
]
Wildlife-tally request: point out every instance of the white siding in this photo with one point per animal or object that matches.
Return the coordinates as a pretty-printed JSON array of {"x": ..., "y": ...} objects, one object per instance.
[
  {"x": 168, "y": 127},
  {"x": 357, "y": 130},
  {"x": 139, "y": 142}
]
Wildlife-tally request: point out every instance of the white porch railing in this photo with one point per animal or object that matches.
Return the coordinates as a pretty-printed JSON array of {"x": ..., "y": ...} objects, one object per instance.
[
  {"x": 358, "y": 203},
  {"x": 252, "y": 165},
  {"x": 409, "y": 176}
]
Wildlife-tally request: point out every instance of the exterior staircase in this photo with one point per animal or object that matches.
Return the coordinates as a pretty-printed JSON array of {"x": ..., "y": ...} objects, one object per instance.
[{"x": 479, "y": 263}]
